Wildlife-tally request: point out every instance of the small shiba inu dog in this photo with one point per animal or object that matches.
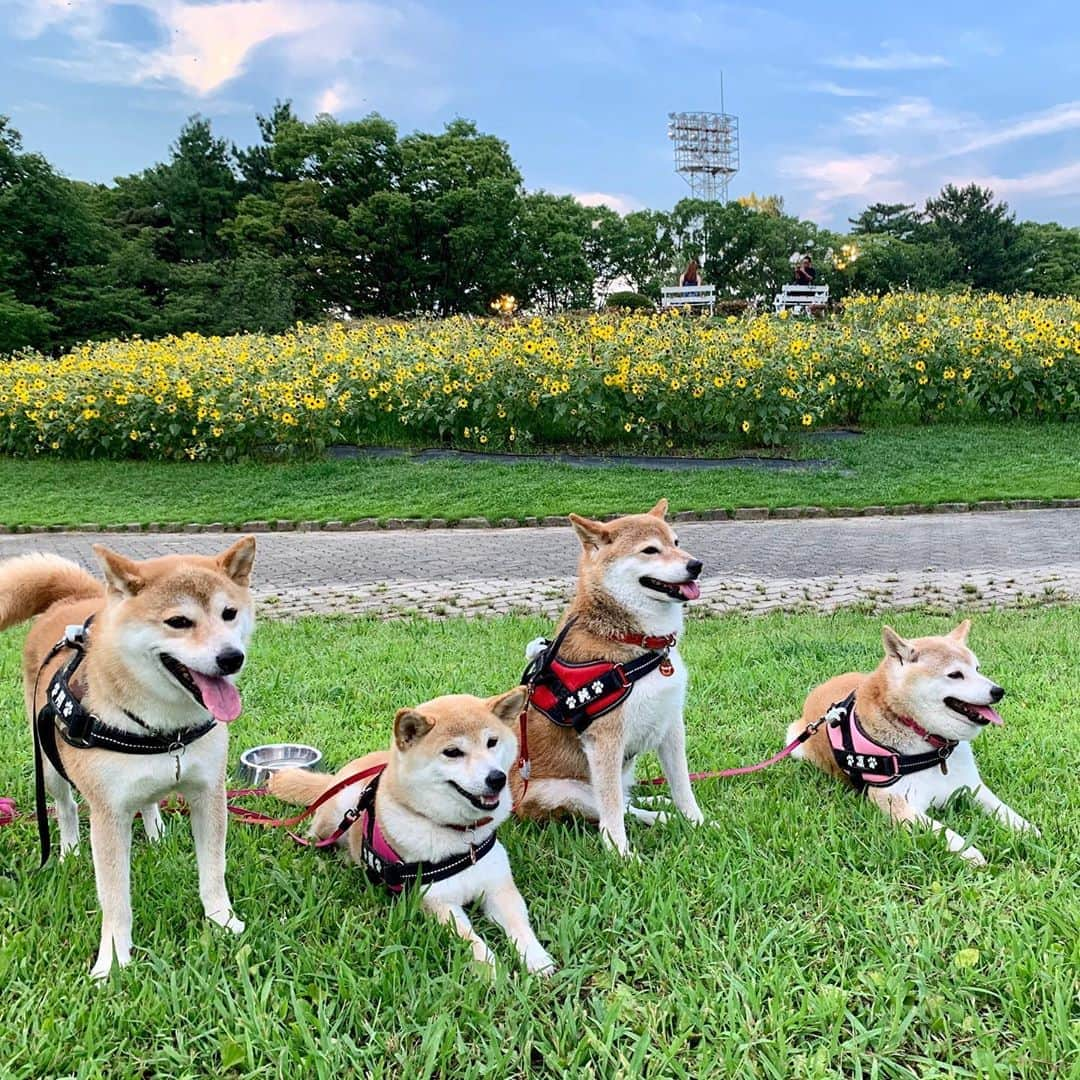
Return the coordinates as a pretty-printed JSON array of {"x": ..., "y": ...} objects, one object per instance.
[
  {"x": 625, "y": 619},
  {"x": 903, "y": 733},
  {"x": 153, "y": 692},
  {"x": 441, "y": 794}
]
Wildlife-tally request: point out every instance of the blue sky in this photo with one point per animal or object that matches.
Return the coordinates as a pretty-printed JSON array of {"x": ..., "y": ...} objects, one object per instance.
[{"x": 840, "y": 104}]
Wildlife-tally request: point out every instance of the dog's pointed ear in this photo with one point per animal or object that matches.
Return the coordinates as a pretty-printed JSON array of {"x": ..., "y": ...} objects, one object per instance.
[
  {"x": 960, "y": 633},
  {"x": 659, "y": 510},
  {"x": 237, "y": 561},
  {"x": 507, "y": 707},
  {"x": 121, "y": 573},
  {"x": 592, "y": 534},
  {"x": 896, "y": 647},
  {"x": 409, "y": 727}
]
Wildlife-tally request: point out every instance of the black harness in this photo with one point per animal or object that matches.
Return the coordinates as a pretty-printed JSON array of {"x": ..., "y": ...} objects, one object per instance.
[
  {"x": 869, "y": 763},
  {"x": 573, "y": 694},
  {"x": 63, "y": 713},
  {"x": 395, "y": 874}
]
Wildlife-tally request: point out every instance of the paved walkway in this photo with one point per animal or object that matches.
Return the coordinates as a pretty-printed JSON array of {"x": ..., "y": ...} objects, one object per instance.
[{"x": 976, "y": 560}]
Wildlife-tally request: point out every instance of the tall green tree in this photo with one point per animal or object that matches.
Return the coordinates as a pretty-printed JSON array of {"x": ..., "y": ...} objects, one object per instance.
[
  {"x": 982, "y": 233},
  {"x": 899, "y": 220}
]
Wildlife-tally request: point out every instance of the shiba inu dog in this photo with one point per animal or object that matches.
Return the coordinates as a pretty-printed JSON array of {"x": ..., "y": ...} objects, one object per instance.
[
  {"x": 903, "y": 733},
  {"x": 164, "y": 640},
  {"x": 626, "y": 616},
  {"x": 439, "y": 797}
]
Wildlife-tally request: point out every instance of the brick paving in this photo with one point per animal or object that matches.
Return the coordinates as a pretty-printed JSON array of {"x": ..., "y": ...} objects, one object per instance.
[{"x": 874, "y": 563}]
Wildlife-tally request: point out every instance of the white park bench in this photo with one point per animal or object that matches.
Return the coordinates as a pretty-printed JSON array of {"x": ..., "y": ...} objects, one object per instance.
[
  {"x": 677, "y": 296},
  {"x": 799, "y": 299}
]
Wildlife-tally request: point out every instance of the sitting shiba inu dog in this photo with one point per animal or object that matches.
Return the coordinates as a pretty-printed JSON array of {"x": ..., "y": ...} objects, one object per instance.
[
  {"x": 903, "y": 733},
  {"x": 430, "y": 812},
  {"x": 612, "y": 684},
  {"x": 130, "y": 712}
]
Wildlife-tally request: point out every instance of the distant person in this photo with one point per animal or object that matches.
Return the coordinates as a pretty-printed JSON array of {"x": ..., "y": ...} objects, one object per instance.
[
  {"x": 805, "y": 272},
  {"x": 690, "y": 275}
]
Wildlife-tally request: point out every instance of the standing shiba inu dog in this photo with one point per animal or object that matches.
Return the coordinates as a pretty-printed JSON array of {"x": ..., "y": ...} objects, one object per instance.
[
  {"x": 440, "y": 796},
  {"x": 163, "y": 642},
  {"x": 903, "y": 733},
  {"x": 616, "y": 652}
]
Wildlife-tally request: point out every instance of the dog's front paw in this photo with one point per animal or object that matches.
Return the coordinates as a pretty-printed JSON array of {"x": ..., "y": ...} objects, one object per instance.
[
  {"x": 538, "y": 962},
  {"x": 974, "y": 856},
  {"x": 227, "y": 920},
  {"x": 695, "y": 816}
]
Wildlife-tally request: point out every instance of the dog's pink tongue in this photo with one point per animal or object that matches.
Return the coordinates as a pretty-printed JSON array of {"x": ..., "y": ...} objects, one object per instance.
[
  {"x": 988, "y": 712},
  {"x": 690, "y": 590},
  {"x": 219, "y": 696}
]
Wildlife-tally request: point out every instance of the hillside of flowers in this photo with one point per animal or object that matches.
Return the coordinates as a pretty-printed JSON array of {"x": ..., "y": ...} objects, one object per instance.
[{"x": 603, "y": 381}]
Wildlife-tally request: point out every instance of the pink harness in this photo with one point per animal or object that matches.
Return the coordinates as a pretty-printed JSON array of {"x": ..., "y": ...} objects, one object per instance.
[{"x": 868, "y": 763}]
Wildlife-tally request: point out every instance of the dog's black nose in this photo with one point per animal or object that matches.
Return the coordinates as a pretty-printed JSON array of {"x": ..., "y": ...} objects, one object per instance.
[
  {"x": 496, "y": 780},
  {"x": 997, "y": 693},
  {"x": 230, "y": 661},
  {"x": 693, "y": 567}
]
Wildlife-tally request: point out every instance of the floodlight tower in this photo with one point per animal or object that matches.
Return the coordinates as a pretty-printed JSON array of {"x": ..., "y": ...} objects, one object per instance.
[{"x": 706, "y": 150}]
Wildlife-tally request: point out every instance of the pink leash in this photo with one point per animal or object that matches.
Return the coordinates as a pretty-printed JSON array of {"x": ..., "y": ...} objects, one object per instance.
[{"x": 741, "y": 770}]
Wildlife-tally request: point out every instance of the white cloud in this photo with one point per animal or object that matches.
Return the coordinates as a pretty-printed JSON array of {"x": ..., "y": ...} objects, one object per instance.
[
  {"x": 208, "y": 45},
  {"x": 914, "y": 116},
  {"x": 836, "y": 90},
  {"x": 332, "y": 98},
  {"x": 621, "y": 204},
  {"x": 1063, "y": 117},
  {"x": 893, "y": 57},
  {"x": 1062, "y": 180},
  {"x": 871, "y": 176}
]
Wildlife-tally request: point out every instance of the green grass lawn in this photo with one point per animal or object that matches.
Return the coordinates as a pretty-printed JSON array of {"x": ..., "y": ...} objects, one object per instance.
[
  {"x": 885, "y": 467},
  {"x": 799, "y": 937}
]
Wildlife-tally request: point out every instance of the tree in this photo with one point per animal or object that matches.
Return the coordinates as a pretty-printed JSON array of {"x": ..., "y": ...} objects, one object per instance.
[
  {"x": 900, "y": 220},
  {"x": 983, "y": 234},
  {"x": 551, "y": 253},
  {"x": 773, "y": 205},
  {"x": 1052, "y": 259}
]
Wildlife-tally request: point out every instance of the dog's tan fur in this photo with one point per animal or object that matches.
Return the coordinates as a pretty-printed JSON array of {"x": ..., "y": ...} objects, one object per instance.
[
  {"x": 60, "y": 594},
  {"x": 420, "y": 822},
  {"x": 559, "y": 753}
]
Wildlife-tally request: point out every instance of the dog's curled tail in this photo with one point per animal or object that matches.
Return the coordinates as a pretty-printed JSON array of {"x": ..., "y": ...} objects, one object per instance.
[
  {"x": 299, "y": 786},
  {"x": 29, "y": 584}
]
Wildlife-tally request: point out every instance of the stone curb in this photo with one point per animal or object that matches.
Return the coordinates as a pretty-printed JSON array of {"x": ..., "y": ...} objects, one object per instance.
[{"x": 370, "y": 524}]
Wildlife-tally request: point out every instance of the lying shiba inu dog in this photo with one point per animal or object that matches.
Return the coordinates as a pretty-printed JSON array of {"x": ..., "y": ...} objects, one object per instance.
[
  {"x": 430, "y": 814},
  {"x": 903, "y": 733},
  {"x": 131, "y": 712},
  {"x": 612, "y": 685}
]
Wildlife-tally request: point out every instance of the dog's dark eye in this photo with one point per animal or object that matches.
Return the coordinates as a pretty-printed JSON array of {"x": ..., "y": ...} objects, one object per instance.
[
  {"x": 229, "y": 614},
  {"x": 676, "y": 541},
  {"x": 650, "y": 550},
  {"x": 956, "y": 674},
  {"x": 453, "y": 751},
  {"x": 179, "y": 622},
  {"x": 492, "y": 743}
]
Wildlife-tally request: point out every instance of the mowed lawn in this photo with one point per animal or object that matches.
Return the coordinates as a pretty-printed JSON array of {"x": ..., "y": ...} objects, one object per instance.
[
  {"x": 887, "y": 466},
  {"x": 799, "y": 936}
]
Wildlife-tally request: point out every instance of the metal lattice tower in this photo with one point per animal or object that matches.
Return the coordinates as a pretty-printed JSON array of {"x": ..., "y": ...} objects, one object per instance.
[{"x": 706, "y": 151}]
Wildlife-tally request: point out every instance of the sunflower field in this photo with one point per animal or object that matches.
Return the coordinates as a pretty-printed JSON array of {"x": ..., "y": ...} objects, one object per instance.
[{"x": 641, "y": 381}]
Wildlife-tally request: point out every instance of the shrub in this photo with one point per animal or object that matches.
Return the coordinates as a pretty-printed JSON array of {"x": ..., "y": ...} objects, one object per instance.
[{"x": 630, "y": 301}]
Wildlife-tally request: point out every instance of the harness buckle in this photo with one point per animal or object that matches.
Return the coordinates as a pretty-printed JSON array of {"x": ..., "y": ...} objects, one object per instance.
[
  {"x": 623, "y": 680},
  {"x": 472, "y": 854}
]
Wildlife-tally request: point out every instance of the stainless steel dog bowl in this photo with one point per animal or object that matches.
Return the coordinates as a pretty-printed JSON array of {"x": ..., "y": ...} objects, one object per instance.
[{"x": 259, "y": 762}]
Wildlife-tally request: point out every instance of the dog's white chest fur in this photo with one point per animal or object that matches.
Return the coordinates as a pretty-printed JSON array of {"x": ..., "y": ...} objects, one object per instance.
[
  {"x": 653, "y": 705},
  {"x": 932, "y": 787}
]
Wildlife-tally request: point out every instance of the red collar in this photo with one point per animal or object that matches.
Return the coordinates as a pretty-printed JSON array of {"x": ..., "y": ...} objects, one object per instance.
[
  {"x": 936, "y": 741},
  {"x": 655, "y": 642},
  {"x": 468, "y": 828}
]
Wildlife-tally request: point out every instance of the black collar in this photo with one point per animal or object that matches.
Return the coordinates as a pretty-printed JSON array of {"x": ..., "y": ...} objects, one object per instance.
[{"x": 395, "y": 873}]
